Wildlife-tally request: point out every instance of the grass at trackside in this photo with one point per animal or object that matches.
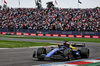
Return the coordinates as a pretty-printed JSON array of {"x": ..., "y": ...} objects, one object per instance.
[
  {"x": 19, "y": 44},
  {"x": 52, "y": 38}
]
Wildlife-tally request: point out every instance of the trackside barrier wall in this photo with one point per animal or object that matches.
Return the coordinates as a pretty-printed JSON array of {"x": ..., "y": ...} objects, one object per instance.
[
  {"x": 18, "y": 33},
  {"x": 95, "y": 36},
  {"x": 40, "y": 35},
  {"x": 26, "y": 34},
  {"x": 78, "y": 36},
  {"x": 54, "y": 33},
  {"x": 12, "y": 32},
  {"x": 63, "y": 35},
  {"x": 87, "y": 36},
  {"x": 48, "y": 35},
  {"x": 4, "y": 33},
  {"x": 70, "y": 35},
  {"x": 33, "y": 34}
]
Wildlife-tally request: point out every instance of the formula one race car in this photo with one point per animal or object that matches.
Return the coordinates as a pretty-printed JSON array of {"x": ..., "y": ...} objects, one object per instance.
[
  {"x": 65, "y": 52},
  {"x": 8, "y": 33}
]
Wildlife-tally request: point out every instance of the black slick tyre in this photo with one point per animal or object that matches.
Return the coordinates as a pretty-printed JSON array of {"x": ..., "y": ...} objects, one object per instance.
[
  {"x": 68, "y": 54},
  {"x": 84, "y": 53},
  {"x": 41, "y": 51}
]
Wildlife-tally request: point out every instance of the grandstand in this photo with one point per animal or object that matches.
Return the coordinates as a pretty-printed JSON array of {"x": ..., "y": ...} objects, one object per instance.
[{"x": 51, "y": 19}]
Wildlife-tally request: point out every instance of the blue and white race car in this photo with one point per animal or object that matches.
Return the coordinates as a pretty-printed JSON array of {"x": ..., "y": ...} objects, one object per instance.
[{"x": 64, "y": 52}]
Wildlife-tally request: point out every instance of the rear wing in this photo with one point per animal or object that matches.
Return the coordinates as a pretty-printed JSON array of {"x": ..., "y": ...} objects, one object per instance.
[{"x": 78, "y": 45}]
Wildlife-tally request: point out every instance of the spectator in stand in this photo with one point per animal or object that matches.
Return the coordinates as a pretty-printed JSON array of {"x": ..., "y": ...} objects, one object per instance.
[{"x": 50, "y": 19}]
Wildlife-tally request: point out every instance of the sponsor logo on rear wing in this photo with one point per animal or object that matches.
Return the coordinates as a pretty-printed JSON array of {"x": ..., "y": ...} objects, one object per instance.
[{"x": 78, "y": 45}]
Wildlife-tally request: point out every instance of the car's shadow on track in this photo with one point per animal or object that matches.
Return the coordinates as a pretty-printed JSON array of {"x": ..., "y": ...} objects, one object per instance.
[
  {"x": 50, "y": 60},
  {"x": 56, "y": 60}
]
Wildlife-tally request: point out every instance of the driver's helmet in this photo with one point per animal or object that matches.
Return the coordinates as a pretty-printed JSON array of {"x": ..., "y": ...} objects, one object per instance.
[{"x": 66, "y": 43}]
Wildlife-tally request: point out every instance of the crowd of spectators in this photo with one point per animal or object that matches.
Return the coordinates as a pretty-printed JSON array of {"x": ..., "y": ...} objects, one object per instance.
[{"x": 51, "y": 19}]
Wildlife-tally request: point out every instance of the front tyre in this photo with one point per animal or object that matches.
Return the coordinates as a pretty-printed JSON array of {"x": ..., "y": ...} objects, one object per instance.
[
  {"x": 40, "y": 52},
  {"x": 68, "y": 54}
]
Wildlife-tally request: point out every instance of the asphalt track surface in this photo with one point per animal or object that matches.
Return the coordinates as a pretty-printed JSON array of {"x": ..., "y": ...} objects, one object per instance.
[{"x": 23, "y": 56}]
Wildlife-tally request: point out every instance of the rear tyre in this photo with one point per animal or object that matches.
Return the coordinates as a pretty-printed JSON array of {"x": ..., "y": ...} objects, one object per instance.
[
  {"x": 84, "y": 53},
  {"x": 41, "y": 51}
]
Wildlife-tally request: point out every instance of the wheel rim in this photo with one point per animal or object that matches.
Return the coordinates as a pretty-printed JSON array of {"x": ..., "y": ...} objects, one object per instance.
[
  {"x": 42, "y": 51},
  {"x": 70, "y": 57},
  {"x": 87, "y": 53}
]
